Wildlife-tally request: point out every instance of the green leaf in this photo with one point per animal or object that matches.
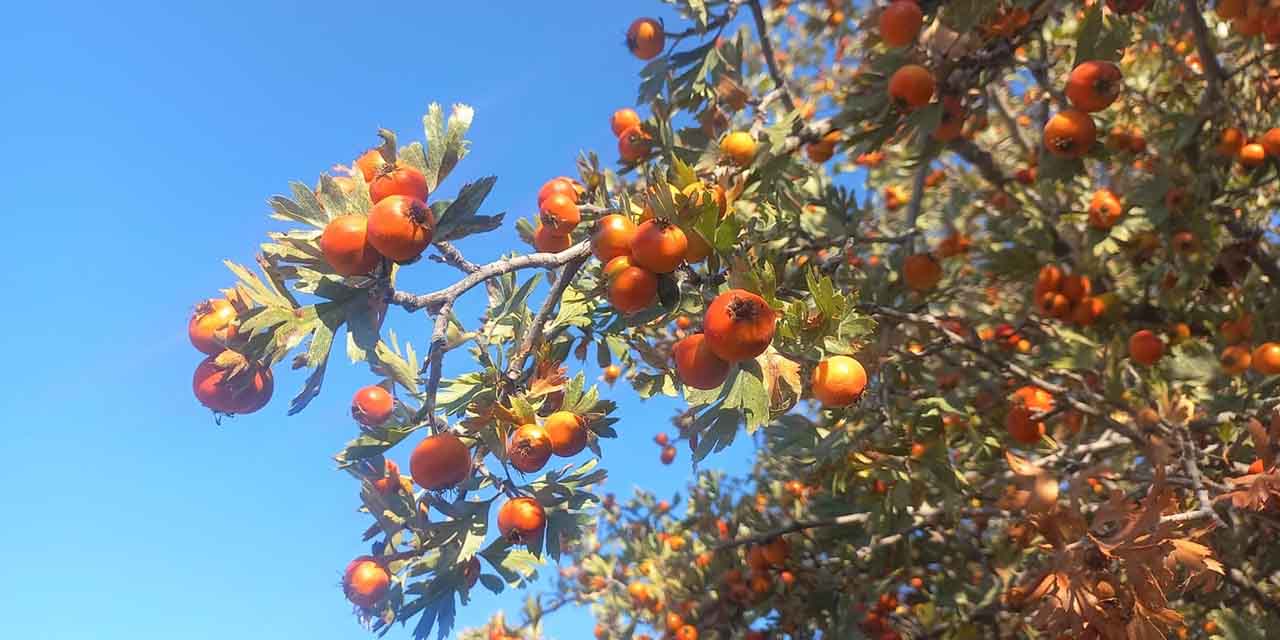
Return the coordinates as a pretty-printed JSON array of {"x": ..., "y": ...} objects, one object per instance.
[
  {"x": 965, "y": 15},
  {"x": 397, "y": 367},
  {"x": 748, "y": 394},
  {"x": 926, "y": 119},
  {"x": 1235, "y": 627},
  {"x": 306, "y": 209},
  {"x": 492, "y": 583},
  {"x": 575, "y": 310},
  {"x": 699, "y": 10},
  {"x": 1058, "y": 169},
  {"x": 1100, "y": 38},
  {"x": 718, "y": 428},
  {"x": 446, "y": 143},
  {"x": 460, "y": 220},
  {"x": 259, "y": 292},
  {"x": 1191, "y": 363},
  {"x": 517, "y": 566},
  {"x": 648, "y": 385},
  {"x": 368, "y": 445},
  {"x": 652, "y": 79},
  {"x": 362, "y": 334},
  {"x": 413, "y": 155}
]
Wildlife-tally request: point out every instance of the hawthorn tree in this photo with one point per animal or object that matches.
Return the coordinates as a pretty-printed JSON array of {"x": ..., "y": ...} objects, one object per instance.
[{"x": 991, "y": 283}]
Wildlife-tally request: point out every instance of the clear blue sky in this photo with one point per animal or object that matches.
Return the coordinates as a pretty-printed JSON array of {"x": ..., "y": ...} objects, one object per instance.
[{"x": 140, "y": 144}]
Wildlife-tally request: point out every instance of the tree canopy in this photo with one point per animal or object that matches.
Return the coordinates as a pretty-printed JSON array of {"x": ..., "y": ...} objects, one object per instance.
[{"x": 992, "y": 283}]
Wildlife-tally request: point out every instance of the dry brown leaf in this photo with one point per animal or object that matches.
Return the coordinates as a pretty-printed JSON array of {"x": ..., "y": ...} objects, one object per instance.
[
  {"x": 781, "y": 380},
  {"x": 549, "y": 378},
  {"x": 1256, "y": 491},
  {"x": 1261, "y": 440},
  {"x": 1021, "y": 466}
]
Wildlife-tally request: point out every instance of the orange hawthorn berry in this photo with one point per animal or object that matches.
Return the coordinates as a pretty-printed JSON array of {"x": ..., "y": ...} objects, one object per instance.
[
  {"x": 1070, "y": 134},
  {"x": 645, "y": 38},
  {"x": 1145, "y": 347},
  {"x": 659, "y": 246},
  {"x": 1021, "y": 427},
  {"x": 558, "y": 186},
  {"x": 739, "y": 147},
  {"x": 1252, "y": 155},
  {"x": 1076, "y": 287},
  {"x": 911, "y": 87},
  {"x": 612, "y": 237},
  {"x": 622, "y": 120},
  {"x": 1266, "y": 358},
  {"x": 1088, "y": 310},
  {"x": 631, "y": 289},
  {"x": 952, "y": 123},
  {"x": 900, "y": 23},
  {"x": 921, "y": 272},
  {"x": 1105, "y": 209},
  {"x": 567, "y": 432},
  {"x": 696, "y": 365},
  {"x": 1093, "y": 85},
  {"x": 1230, "y": 141},
  {"x": 739, "y": 325},
  {"x": 1270, "y": 140},
  {"x": 838, "y": 381},
  {"x": 1235, "y": 359},
  {"x": 547, "y": 240},
  {"x": 634, "y": 144}
]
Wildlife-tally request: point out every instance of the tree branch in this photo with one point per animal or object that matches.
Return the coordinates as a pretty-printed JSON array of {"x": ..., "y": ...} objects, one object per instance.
[
  {"x": 549, "y": 305},
  {"x": 1015, "y": 132},
  {"x": 800, "y": 525},
  {"x": 435, "y": 360},
  {"x": 450, "y": 255},
  {"x": 1208, "y": 59},
  {"x": 435, "y": 301},
  {"x": 1197, "y": 479},
  {"x": 922, "y": 517},
  {"x": 917, "y": 200},
  {"x": 770, "y": 58},
  {"x": 1018, "y": 371},
  {"x": 1239, "y": 580},
  {"x": 984, "y": 162}
]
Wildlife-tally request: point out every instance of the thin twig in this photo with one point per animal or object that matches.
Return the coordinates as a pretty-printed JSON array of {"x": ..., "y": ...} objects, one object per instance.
[
  {"x": 917, "y": 200},
  {"x": 1017, "y": 370},
  {"x": 1015, "y": 132},
  {"x": 1239, "y": 580},
  {"x": 801, "y": 525},
  {"x": 435, "y": 360},
  {"x": 983, "y": 161},
  {"x": 1208, "y": 59},
  {"x": 715, "y": 23},
  {"x": 1197, "y": 479},
  {"x": 770, "y": 58},
  {"x": 535, "y": 329},
  {"x": 450, "y": 255}
]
